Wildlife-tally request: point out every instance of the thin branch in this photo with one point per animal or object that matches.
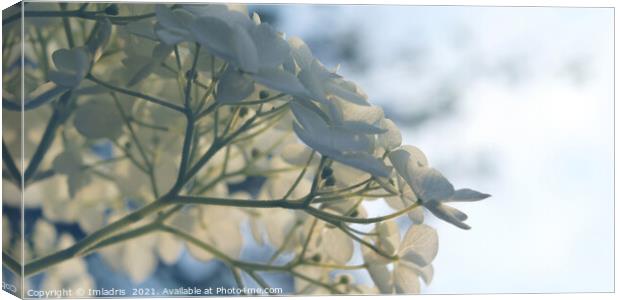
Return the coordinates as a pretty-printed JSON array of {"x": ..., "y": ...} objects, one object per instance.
[
  {"x": 152, "y": 99},
  {"x": 8, "y": 160}
]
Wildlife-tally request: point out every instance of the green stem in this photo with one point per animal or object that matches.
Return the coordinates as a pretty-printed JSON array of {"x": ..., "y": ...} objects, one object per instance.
[
  {"x": 236, "y": 202},
  {"x": 161, "y": 102},
  {"x": 67, "y": 26},
  {"x": 89, "y": 15},
  {"x": 189, "y": 116},
  {"x": 57, "y": 118},
  {"x": 92, "y": 239},
  {"x": 298, "y": 179},
  {"x": 328, "y": 216},
  {"x": 8, "y": 160}
]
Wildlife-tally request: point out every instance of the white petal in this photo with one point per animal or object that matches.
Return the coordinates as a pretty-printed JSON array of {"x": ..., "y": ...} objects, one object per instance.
[
  {"x": 296, "y": 154},
  {"x": 337, "y": 245},
  {"x": 44, "y": 237},
  {"x": 98, "y": 119},
  {"x": 167, "y": 36},
  {"x": 301, "y": 52},
  {"x": 272, "y": 49},
  {"x": 362, "y": 127},
  {"x": 419, "y": 245},
  {"x": 91, "y": 217},
  {"x": 392, "y": 138},
  {"x": 245, "y": 49},
  {"x": 68, "y": 162},
  {"x": 280, "y": 80},
  {"x": 278, "y": 223},
  {"x": 406, "y": 160},
  {"x": 308, "y": 118},
  {"x": 214, "y": 34},
  {"x": 223, "y": 226},
  {"x": 74, "y": 60},
  {"x": 467, "y": 195},
  {"x": 389, "y": 236},
  {"x": 142, "y": 28},
  {"x": 159, "y": 54},
  {"x": 430, "y": 185},
  {"x": 312, "y": 82},
  {"x": 344, "y": 92},
  {"x": 257, "y": 231},
  {"x": 140, "y": 261},
  {"x": 233, "y": 87},
  {"x": 406, "y": 279},
  {"x": 406, "y": 155},
  {"x": 365, "y": 162},
  {"x": 448, "y": 214},
  {"x": 382, "y": 277},
  {"x": 168, "y": 248},
  {"x": 416, "y": 215},
  {"x": 166, "y": 17},
  {"x": 72, "y": 66},
  {"x": 256, "y": 18}
]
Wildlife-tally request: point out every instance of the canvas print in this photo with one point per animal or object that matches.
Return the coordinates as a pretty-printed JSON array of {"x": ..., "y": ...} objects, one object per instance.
[{"x": 221, "y": 149}]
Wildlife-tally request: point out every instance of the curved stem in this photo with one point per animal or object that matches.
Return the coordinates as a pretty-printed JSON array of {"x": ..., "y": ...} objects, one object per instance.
[{"x": 324, "y": 215}]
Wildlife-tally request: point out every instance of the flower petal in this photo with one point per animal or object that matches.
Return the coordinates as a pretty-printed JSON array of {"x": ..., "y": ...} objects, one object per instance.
[
  {"x": 244, "y": 49},
  {"x": 280, "y": 80},
  {"x": 392, "y": 137},
  {"x": 98, "y": 119},
  {"x": 72, "y": 66},
  {"x": 388, "y": 236},
  {"x": 406, "y": 279},
  {"x": 337, "y": 245},
  {"x": 430, "y": 185},
  {"x": 467, "y": 195},
  {"x": 272, "y": 49},
  {"x": 419, "y": 245},
  {"x": 448, "y": 214},
  {"x": 382, "y": 277},
  {"x": 233, "y": 87}
]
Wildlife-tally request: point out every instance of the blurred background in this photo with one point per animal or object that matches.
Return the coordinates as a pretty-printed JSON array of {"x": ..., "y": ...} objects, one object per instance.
[{"x": 513, "y": 101}]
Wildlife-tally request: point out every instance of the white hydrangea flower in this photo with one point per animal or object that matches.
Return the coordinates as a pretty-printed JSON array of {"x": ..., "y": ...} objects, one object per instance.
[
  {"x": 415, "y": 253},
  {"x": 431, "y": 187},
  {"x": 336, "y": 142}
]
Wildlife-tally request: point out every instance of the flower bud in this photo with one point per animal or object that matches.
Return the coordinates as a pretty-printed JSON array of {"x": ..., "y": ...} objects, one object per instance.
[
  {"x": 330, "y": 181},
  {"x": 243, "y": 112},
  {"x": 191, "y": 75},
  {"x": 327, "y": 172},
  {"x": 345, "y": 279}
]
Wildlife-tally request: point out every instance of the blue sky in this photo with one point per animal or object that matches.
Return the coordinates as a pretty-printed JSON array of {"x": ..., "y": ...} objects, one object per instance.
[{"x": 524, "y": 100}]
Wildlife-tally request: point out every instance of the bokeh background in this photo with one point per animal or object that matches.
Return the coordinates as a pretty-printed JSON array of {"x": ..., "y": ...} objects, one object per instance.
[{"x": 512, "y": 101}]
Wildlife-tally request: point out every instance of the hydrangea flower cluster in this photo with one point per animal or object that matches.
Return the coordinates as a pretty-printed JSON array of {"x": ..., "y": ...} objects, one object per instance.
[{"x": 188, "y": 101}]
